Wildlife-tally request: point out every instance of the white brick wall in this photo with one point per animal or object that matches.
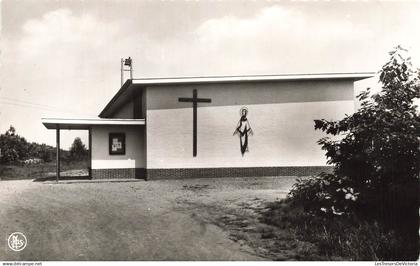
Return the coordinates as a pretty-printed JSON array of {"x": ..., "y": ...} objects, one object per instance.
[
  {"x": 283, "y": 135},
  {"x": 134, "y": 155}
]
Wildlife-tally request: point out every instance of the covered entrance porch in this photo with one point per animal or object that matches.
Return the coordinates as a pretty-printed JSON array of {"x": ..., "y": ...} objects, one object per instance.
[{"x": 116, "y": 127}]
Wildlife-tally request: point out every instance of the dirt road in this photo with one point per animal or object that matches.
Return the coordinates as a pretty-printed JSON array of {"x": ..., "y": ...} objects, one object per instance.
[{"x": 154, "y": 220}]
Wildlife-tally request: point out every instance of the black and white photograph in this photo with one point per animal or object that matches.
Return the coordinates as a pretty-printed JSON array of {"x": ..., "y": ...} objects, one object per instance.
[{"x": 209, "y": 131}]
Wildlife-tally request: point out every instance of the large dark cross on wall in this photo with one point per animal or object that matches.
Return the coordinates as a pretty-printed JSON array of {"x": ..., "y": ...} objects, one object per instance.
[{"x": 195, "y": 100}]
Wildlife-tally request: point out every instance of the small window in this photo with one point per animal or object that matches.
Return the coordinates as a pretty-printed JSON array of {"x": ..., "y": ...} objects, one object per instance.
[{"x": 117, "y": 143}]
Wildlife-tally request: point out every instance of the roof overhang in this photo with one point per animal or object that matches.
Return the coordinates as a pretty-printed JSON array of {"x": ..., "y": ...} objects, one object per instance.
[
  {"x": 64, "y": 123},
  {"x": 125, "y": 93},
  {"x": 255, "y": 78},
  {"x": 130, "y": 87}
]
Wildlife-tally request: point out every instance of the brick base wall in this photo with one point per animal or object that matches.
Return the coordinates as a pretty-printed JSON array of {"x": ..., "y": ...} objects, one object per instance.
[
  {"x": 178, "y": 173},
  {"x": 118, "y": 173}
]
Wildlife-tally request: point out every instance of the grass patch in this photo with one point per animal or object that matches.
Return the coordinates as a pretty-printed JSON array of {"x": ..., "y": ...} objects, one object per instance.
[
  {"x": 337, "y": 238},
  {"x": 18, "y": 172}
]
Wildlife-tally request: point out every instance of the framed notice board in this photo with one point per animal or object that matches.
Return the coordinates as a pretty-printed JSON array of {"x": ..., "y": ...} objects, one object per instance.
[{"x": 117, "y": 143}]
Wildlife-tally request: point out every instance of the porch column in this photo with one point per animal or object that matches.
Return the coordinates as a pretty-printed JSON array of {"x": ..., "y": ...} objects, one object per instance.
[
  {"x": 58, "y": 152},
  {"x": 90, "y": 152}
]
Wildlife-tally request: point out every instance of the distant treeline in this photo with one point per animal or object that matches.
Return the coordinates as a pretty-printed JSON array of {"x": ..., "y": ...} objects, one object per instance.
[{"x": 15, "y": 149}]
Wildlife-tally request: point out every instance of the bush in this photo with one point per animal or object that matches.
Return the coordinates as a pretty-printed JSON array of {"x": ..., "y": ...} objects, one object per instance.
[
  {"x": 324, "y": 194},
  {"x": 375, "y": 159}
]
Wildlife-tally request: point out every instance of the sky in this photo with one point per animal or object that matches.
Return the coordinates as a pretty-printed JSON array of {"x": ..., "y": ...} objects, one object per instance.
[{"x": 62, "y": 58}]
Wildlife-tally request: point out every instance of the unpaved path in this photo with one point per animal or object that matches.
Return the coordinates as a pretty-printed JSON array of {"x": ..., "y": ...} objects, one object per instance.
[{"x": 154, "y": 220}]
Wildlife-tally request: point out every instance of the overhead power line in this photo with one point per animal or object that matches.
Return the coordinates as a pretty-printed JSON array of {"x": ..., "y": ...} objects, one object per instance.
[{"x": 22, "y": 103}]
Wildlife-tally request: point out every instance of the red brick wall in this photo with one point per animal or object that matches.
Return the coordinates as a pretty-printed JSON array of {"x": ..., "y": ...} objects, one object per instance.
[
  {"x": 118, "y": 173},
  {"x": 179, "y": 173},
  {"x": 153, "y": 174}
]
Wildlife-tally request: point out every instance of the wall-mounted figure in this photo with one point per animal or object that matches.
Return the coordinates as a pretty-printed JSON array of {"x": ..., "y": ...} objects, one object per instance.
[{"x": 244, "y": 130}]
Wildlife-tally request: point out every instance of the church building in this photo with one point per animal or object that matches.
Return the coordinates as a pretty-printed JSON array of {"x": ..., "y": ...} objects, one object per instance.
[{"x": 165, "y": 128}]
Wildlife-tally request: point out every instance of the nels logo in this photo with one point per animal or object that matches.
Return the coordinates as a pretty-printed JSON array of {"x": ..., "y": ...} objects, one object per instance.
[{"x": 17, "y": 241}]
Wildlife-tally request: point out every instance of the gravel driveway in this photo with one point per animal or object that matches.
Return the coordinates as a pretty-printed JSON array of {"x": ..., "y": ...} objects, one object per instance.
[{"x": 153, "y": 220}]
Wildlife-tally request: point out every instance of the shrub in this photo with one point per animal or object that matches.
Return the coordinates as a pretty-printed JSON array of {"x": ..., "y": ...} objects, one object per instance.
[
  {"x": 324, "y": 194},
  {"x": 375, "y": 158}
]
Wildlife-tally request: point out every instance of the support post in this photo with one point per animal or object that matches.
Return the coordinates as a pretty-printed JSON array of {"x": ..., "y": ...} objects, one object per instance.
[
  {"x": 194, "y": 123},
  {"x": 90, "y": 152},
  {"x": 58, "y": 152}
]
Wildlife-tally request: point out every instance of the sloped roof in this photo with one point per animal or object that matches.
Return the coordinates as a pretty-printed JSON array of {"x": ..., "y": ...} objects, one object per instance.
[{"x": 127, "y": 90}]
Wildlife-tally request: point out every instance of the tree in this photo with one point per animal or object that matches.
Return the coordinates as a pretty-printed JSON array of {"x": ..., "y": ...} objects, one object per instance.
[
  {"x": 41, "y": 151},
  {"x": 78, "y": 149},
  {"x": 376, "y": 158},
  {"x": 13, "y": 147},
  {"x": 45, "y": 152}
]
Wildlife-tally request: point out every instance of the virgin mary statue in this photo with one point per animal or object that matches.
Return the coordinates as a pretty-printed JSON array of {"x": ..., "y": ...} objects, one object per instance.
[{"x": 243, "y": 129}]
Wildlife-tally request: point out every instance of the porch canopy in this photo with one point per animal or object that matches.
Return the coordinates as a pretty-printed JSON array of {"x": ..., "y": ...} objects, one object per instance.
[
  {"x": 83, "y": 124},
  {"x": 86, "y": 123}
]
